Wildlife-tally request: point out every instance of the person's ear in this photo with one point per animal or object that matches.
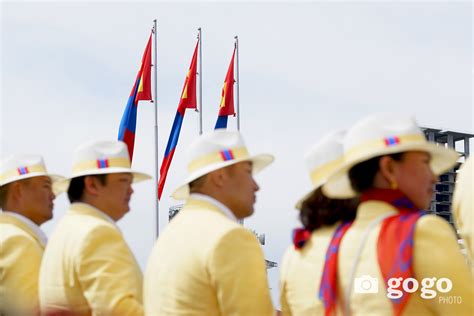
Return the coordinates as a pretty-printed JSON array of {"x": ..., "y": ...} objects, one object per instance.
[
  {"x": 388, "y": 168},
  {"x": 91, "y": 185},
  {"x": 218, "y": 177},
  {"x": 16, "y": 190}
]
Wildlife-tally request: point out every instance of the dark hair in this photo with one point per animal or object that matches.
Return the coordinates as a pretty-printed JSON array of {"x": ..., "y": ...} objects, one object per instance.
[
  {"x": 318, "y": 210},
  {"x": 3, "y": 195},
  {"x": 196, "y": 184},
  {"x": 76, "y": 186},
  {"x": 362, "y": 175}
]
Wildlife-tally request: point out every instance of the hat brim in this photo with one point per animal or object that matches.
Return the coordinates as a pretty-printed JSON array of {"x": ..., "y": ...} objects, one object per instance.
[
  {"x": 63, "y": 185},
  {"x": 259, "y": 162},
  {"x": 339, "y": 185},
  {"x": 300, "y": 202}
]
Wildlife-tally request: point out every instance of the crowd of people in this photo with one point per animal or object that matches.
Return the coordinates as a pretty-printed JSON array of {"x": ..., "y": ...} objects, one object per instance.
[{"x": 367, "y": 246}]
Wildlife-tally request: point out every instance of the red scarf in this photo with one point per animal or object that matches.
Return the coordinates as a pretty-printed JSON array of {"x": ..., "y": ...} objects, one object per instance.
[
  {"x": 396, "y": 241},
  {"x": 394, "y": 247}
]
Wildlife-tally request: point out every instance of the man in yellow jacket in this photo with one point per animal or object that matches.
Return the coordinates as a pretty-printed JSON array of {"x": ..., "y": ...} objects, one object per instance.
[
  {"x": 87, "y": 267},
  {"x": 205, "y": 262},
  {"x": 26, "y": 200}
]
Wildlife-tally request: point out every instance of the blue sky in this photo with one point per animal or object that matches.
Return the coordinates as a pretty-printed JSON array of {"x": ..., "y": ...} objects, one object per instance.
[{"x": 305, "y": 68}]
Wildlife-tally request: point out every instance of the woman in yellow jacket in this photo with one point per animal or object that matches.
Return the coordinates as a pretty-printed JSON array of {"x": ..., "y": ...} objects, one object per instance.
[
  {"x": 394, "y": 259},
  {"x": 303, "y": 262}
]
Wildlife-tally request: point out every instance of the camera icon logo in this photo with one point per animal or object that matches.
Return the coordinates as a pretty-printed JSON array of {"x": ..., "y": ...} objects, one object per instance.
[{"x": 366, "y": 284}]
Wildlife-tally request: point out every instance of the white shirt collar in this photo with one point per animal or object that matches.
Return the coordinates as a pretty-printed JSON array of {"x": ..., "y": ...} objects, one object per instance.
[
  {"x": 224, "y": 209},
  {"x": 43, "y": 239}
]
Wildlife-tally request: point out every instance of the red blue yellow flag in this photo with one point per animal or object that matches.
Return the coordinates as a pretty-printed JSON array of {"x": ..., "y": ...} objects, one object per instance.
[
  {"x": 226, "y": 106},
  {"x": 141, "y": 91},
  {"x": 187, "y": 101}
]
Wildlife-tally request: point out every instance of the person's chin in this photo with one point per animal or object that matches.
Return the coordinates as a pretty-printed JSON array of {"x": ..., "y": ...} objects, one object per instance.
[
  {"x": 426, "y": 205},
  {"x": 46, "y": 218},
  {"x": 250, "y": 213},
  {"x": 126, "y": 206}
]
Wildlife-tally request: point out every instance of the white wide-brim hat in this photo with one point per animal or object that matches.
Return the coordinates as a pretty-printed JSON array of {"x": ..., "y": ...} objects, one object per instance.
[
  {"x": 101, "y": 157},
  {"x": 215, "y": 150},
  {"x": 322, "y": 160},
  {"x": 24, "y": 166},
  {"x": 384, "y": 134}
]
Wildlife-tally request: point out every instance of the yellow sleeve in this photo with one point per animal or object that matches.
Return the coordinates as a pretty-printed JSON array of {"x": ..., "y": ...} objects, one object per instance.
[
  {"x": 238, "y": 273},
  {"x": 437, "y": 255},
  {"x": 20, "y": 259},
  {"x": 107, "y": 272},
  {"x": 285, "y": 308},
  {"x": 463, "y": 207}
]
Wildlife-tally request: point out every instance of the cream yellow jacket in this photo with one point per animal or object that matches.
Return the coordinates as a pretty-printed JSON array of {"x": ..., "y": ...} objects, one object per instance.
[
  {"x": 463, "y": 207},
  {"x": 20, "y": 258},
  {"x": 88, "y": 269},
  {"x": 436, "y": 255},
  {"x": 300, "y": 275},
  {"x": 206, "y": 264}
]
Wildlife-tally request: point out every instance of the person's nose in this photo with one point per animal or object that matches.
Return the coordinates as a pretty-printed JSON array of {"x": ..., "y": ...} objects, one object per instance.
[{"x": 255, "y": 185}]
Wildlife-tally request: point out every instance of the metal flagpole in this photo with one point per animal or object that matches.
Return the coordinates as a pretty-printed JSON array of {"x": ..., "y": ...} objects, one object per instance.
[
  {"x": 241, "y": 221},
  {"x": 238, "y": 81},
  {"x": 157, "y": 202},
  {"x": 200, "y": 80}
]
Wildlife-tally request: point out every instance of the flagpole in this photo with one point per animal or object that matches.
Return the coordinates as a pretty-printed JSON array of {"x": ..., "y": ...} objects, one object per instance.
[
  {"x": 238, "y": 81},
  {"x": 157, "y": 202},
  {"x": 200, "y": 80},
  {"x": 241, "y": 221}
]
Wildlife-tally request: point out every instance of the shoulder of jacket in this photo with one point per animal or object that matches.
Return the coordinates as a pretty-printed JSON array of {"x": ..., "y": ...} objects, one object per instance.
[
  {"x": 430, "y": 221},
  {"x": 19, "y": 241},
  {"x": 433, "y": 226},
  {"x": 102, "y": 229},
  {"x": 237, "y": 234},
  {"x": 17, "y": 231}
]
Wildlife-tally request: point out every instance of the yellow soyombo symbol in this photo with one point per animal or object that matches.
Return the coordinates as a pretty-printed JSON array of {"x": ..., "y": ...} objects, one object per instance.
[
  {"x": 224, "y": 90},
  {"x": 185, "y": 91},
  {"x": 140, "y": 86}
]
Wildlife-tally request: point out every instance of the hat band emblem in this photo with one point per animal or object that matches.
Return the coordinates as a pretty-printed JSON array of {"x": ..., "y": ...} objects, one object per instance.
[
  {"x": 90, "y": 165},
  {"x": 29, "y": 171},
  {"x": 380, "y": 145},
  {"x": 22, "y": 170},
  {"x": 102, "y": 163},
  {"x": 227, "y": 155},
  {"x": 392, "y": 141},
  {"x": 218, "y": 157}
]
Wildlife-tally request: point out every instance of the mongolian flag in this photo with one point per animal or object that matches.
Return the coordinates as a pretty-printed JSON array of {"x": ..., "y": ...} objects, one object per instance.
[
  {"x": 141, "y": 91},
  {"x": 226, "y": 107},
  {"x": 187, "y": 101}
]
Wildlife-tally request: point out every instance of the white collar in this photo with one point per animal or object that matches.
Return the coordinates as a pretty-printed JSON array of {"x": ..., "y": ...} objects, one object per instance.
[
  {"x": 43, "y": 239},
  {"x": 224, "y": 209}
]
